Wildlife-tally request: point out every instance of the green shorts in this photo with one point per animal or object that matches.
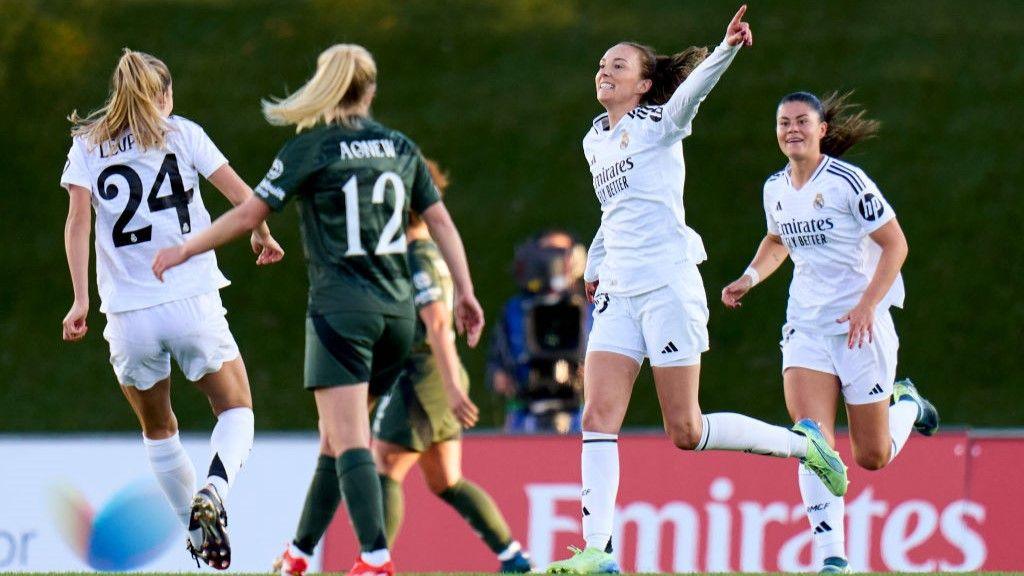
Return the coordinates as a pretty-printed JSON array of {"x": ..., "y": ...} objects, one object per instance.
[
  {"x": 415, "y": 413},
  {"x": 346, "y": 348}
]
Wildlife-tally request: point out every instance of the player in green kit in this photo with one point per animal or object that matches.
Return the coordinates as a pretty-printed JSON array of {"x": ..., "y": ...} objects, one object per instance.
[
  {"x": 421, "y": 419},
  {"x": 355, "y": 181}
]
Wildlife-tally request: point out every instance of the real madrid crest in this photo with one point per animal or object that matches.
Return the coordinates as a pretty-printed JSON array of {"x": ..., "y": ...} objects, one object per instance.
[
  {"x": 624, "y": 142},
  {"x": 819, "y": 201}
]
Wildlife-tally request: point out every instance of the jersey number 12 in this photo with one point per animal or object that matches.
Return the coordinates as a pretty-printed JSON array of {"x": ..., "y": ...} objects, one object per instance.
[
  {"x": 392, "y": 237},
  {"x": 179, "y": 199}
]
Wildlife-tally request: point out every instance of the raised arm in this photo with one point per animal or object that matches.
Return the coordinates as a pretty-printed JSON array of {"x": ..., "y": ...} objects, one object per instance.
[
  {"x": 77, "y": 233},
  {"x": 227, "y": 181},
  {"x": 469, "y": 317},
  {"x": 683, "y": 104}
]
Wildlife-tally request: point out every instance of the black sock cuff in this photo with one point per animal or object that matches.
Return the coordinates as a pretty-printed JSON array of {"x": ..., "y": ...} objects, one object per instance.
[
  {"x": 354, "y": 458},
  {"x": 387, "y": 481},
  {"x": 304, "y": 546},
  {"x": 326, "y": 463},
  {"x": 452, "y": 492}
]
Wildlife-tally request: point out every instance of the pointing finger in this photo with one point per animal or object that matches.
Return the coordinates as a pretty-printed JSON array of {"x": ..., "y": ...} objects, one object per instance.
[{"x": 739, "y": 15}]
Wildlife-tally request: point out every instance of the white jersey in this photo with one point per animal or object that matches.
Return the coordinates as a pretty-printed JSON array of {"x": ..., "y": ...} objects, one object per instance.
[
  {"x": 145, "y": 201},
  {"x": 825, "y": 225},
  {"x": 638, "y": 173}
]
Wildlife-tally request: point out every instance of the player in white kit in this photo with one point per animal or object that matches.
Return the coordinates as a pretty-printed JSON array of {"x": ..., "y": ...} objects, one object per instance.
[
  {"x": 648, "y": 294},
  {"x": 847, "y": 250},
  {"x": 139, "y": 168}
]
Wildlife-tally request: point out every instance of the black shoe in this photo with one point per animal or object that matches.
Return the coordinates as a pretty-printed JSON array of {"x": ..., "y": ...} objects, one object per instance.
[{"x": 208, "y": 515}]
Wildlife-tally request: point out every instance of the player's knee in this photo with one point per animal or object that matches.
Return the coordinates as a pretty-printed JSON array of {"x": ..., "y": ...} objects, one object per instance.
[
  {"x": 439, "y": 485},
  {"x": 872, "y": 459},
  {"x": 597, "y": 420},
  {"x": 685, "y": 435}
]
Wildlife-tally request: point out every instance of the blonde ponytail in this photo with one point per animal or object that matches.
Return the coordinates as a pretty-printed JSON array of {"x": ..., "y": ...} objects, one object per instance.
[
  {"x": 137, "y": 90},
  {"x": 344, "y": 73}
]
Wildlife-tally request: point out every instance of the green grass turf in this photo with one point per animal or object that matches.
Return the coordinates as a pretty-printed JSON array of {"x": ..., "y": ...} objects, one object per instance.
[{"x": 500, "y": 92}]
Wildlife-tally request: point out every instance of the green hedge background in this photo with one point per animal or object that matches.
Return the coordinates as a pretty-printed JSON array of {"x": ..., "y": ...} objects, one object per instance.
[{"x": 500, "y": 92}]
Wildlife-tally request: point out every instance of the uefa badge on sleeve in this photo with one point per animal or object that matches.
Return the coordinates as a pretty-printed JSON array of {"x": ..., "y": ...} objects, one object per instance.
[
  {"x": 624, "y": 142},
  {"x": 819, "y": 201}
]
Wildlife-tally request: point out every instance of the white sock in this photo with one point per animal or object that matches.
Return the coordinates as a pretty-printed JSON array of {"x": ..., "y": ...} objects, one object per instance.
[
  {"x": 231, "y": 442},
  {"x": 736, "y": 432},
  {"x": 600, "y": 468},
  {"x": 826, "y": 514},
  {"x": 902, "y": 416},
  {"x": 174, "y": 472},
  {"x": 509, "y": 552},
  {"x": 376, "y": 557}
]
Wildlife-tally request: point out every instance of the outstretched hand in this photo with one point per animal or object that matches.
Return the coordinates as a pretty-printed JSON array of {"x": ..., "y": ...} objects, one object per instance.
[{"x": 739, "y": 31}]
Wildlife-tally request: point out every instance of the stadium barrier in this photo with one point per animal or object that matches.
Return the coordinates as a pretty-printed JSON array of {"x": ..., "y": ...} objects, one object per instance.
[{"x": 70, "y": 503}]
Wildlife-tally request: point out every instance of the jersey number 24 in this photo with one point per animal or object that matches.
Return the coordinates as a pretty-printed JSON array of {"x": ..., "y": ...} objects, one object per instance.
[{"x": 179, "y": 199}]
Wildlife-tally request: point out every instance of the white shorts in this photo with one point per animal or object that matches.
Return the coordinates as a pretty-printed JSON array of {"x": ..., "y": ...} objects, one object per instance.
[
  {"x": 669, "y": 325},
  {"x": 866, "y": 374},
  {"x": 193, "y": 331}
]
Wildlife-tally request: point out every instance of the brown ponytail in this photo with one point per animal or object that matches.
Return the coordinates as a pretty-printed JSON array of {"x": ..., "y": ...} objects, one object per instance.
[
  {"x": 137, "y": 88},
  {"x": 666, "y": 73},
  {"x": 846, "y": 122}
]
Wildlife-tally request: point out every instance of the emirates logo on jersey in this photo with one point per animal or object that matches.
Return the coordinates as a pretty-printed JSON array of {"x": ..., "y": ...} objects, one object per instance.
[
  {"x": 624, "y": 142},
  {"x": 819, "y": 201}
]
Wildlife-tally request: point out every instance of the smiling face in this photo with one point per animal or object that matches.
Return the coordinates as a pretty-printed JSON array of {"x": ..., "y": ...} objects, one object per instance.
[
  {"x": 619, "y": 80},
  {"x": 799, "y": 130}
]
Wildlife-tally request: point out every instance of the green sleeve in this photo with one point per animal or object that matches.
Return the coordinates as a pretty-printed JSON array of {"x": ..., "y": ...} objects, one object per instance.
[
  {"x": 424, "y": 193},
  {"x": 426, "y": 281},
  {"x": 296, "y": 161}
]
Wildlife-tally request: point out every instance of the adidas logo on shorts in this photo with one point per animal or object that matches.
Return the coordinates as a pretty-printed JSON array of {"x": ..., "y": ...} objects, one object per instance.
[
  {"x": 670, "y": 348},
  {"x": 822, "y": 528},
  {"x": 876, "y": 390}
]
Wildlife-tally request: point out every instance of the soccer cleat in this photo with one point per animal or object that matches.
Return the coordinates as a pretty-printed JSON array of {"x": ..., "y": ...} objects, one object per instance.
[
  {"x": 927, "y": 422},
  {"x": 518, "y": 564},
  {"x": 209, "y": 516},
  {"x": 821, "y": 458},
  {"x": 288, "y": 564},
  {"x": 588, "y": 561},
  {"x": 835, "y": 565},
  {"x": 361, "y": 568}
]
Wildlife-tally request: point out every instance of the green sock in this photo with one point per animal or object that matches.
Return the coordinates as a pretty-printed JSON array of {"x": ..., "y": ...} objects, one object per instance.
[
  {"x": 476, "y": 506},
  {"x": 322, "y": 500},
  {"x": 358, "y": 479},
  {"x": 394, "y": 506}
]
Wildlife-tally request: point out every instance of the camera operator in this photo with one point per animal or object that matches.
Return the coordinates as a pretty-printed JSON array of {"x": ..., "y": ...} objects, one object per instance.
[{"x": 538, "y": 343}]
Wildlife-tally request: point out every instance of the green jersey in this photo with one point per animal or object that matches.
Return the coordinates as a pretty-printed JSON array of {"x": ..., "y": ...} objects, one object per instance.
[
  {"x": 354, "y": 189},
  {"x": 432, "y": 282}
]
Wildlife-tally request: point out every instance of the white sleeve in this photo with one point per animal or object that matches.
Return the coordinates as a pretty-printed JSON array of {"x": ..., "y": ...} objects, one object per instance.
[
  {"x": 870, "y": 209},
  {"x": 76, "y": 170},
  {"x": 770, "y": 223},
  {"x": 595, "y": 256},
  {"x": 206, "y": 157},
  {"x": 682, "y": 106}
]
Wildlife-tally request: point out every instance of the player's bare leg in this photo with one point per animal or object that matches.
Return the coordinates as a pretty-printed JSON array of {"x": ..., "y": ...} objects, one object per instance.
[
  {"x": 173, "y": 468},
  {"x": 607, "y": 387},
  {"x": 346, "y": 424},
  {"x": 393, "y": 464},
  {"x": 814, "y": 395}
]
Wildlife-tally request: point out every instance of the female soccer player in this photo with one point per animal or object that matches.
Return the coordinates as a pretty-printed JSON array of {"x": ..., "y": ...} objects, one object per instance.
[
  {"x": 847, "y": 250},
  {"x": 355, "y": 181},
  {"x": 421, "y": 418},
  {"x": 130, "y": 149},
  {"x": 649, "y": 296}
]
